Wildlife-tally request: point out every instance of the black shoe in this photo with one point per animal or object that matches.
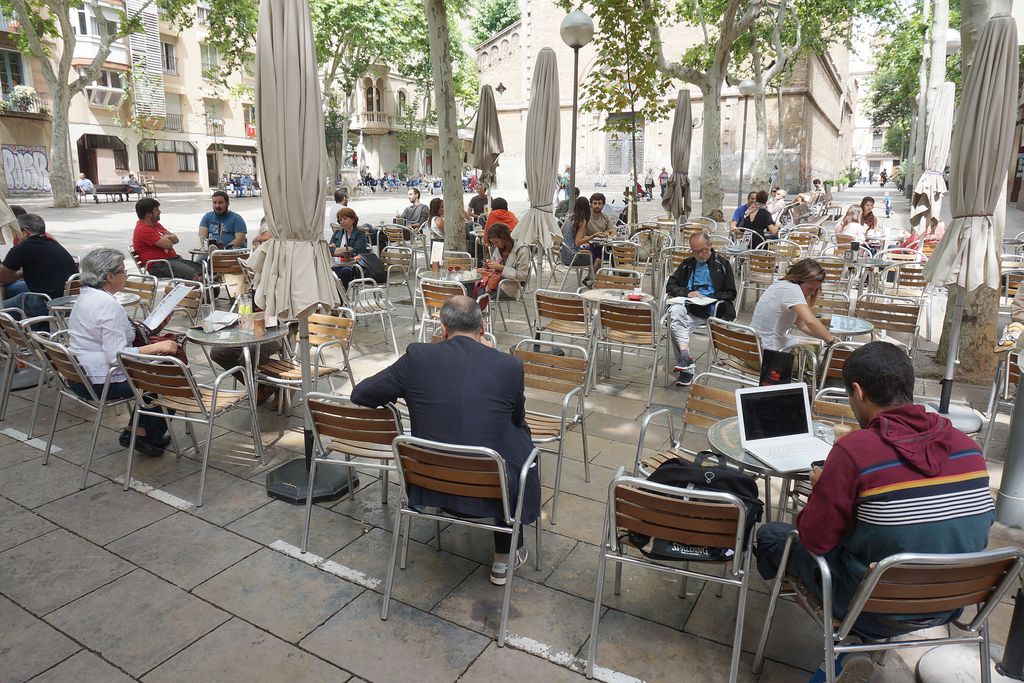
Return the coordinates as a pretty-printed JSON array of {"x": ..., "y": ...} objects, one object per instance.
[
  {"x": 163, "y": 442},
  {"x": 143, "y": 447}
]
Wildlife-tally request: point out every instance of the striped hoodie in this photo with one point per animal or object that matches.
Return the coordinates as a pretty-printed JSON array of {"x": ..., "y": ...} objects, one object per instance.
[{"x": 907, "y": 482}]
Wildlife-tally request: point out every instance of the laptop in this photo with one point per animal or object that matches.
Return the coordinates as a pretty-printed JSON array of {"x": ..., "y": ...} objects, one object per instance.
[{"x": 775, "y": 427}]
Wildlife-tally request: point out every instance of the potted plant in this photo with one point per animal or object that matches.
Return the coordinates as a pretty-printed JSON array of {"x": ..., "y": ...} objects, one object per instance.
[{"x": 21, "y": 98}]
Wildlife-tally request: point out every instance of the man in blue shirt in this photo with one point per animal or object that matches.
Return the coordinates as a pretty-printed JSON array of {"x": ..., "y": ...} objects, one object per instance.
[
  {"x": 737, "y": 215},
  {"x": 705, "y": 274},
  {"x": 222, "y": 226}
]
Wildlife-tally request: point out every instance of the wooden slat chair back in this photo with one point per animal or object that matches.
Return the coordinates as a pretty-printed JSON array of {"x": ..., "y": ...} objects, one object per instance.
[
  {"x": 891, "y": 314},
  {"x": 617, "y": 278},
  {"x": 459, "y": 260},
  {"x": 1004, "y": 391},
  {"x": 841, "y": 240},
  {"x": 561, "y": 313},
  {"x": 832, "y": 406},
  {"x": 624, "y": 255},
  {"x": 833, "y": 303},
  {"x": 73, "y": 285},
  {"x": 225, "y": 261},
  {"x": 687, "y": 522},
  {"x": 145, "y": 287},
  {"x": 432, "y": 295},
  {"x": 1012, "y": 282},
  {"x": 628, "y": 323},
  {"x": 170, "y": 381},
  {"x": 928, "y": 248},
  {"x": 326, "y": 332},
  {"x": 456, "y": 475},
  {"x": 902, "y": 255},
  {"x": 835, "y": 359},
  {"x": 330, "y": 328},
  {"x": 673, "y": 257},
  {"x": 692, "y": 228},
  {"x": 397, "y": 257},
  {"x": 396, "y": 235},
  {"x": 63, "y": 363},
  {"x": 735, "y": 349},
  {"x": 548, "y": 372},
  {"x": 837, "y": 274},
  {"x": 720, "y": 241},
  {"x": 805, "y": 240},
  {"x": 904, "y": 279},
  {"x": 786, "y": 248},
  {"x": 762, "y": 265},
  {"x": 189, "y": 306},
  {"x": 13, "y": 335}
]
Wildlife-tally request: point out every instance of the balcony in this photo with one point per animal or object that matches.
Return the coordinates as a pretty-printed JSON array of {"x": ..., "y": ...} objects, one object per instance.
[
  {"x": 6, "y": 21},
  {"x": 172, "y": 122},
  {"x": 373, "y": 122},
  {"x": 25, "y": 100}
]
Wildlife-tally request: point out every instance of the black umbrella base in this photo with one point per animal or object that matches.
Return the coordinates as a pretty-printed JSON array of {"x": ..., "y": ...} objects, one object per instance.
[
  {"x": 290, "y": 482},
  {"x": 25, "y": 378}
]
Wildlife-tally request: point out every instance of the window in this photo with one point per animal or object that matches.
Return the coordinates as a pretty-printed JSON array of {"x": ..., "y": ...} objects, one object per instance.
[
  {"x": 249, "y": 112},
  {"x": 369, "y": 97},
  {"x": 121, "y": 159},
  {"x": 202, "y": 12},
  {"x": 209, "y": 57},
  {"x": 81, "y": 21},
  {"x": 876, "y": 142},
  {"x": 12, "y": 70},
  {"x": 249, "y": 66},
  {"x": 170, "y": 58},
  {"x": 148, "y": 158},
  {"x": 401, "y": 103},
  {"x": 107, "y": 90},
  {"x": 187, "y": 163}
]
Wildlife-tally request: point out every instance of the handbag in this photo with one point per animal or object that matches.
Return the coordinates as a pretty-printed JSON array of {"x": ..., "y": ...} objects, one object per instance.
[
  {"x": 143, "y": 337},
  {"x": 372, "y": 267},
  {"x": 696, "y": 475}
]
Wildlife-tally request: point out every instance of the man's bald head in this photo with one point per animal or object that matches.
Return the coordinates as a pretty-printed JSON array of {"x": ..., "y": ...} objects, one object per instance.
[{"x": 461, "y": 315}]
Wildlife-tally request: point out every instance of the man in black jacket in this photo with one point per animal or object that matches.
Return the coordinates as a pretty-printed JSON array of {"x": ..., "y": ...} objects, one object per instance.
[
  {"x": 705, "y": 274},
  {"x": 463, "y": 392}
]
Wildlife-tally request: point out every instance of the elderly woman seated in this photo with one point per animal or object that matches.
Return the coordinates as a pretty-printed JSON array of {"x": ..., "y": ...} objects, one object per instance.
[
  {"x": 347, "y": 242},
  {"x": 509, "y": 262},
  {"x": 788, "y": 302},
  {"x": 99, "y": 328}
]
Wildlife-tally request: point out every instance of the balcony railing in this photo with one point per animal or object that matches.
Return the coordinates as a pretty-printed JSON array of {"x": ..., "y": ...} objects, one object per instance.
[
  {"x": 171, "y": 65},
  {"x": 6, "y": 21},
  {"x": 20, "y": 102},
  {"x": 373, "y": 121},
  {"x": 172, "y": 122}
]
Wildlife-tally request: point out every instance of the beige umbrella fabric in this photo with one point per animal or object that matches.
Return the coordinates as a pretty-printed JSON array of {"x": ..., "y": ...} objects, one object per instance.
[
  {"x": 927, "y": 201},
  {"x": 8, "y": 223},
  {"x": 677, "y": 192},
  {"x": 968, "y": 254},
  {"x": 293, "y": 271},
  {"x": 487, "y": 137},
  {"x": 537, "y": 225}
]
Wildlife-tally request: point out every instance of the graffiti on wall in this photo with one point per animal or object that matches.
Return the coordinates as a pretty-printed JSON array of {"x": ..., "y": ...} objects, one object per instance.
[
  {"x": 26, "y": 169},
  {"x": 240, "y": 164}
]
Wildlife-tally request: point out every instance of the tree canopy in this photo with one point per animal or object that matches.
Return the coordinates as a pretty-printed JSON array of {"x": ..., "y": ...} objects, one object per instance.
[{"x": 492, "y": 16}]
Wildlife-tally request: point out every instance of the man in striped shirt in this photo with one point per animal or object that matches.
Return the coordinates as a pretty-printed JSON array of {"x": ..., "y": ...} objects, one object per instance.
[{"x": 907, "y": 481}]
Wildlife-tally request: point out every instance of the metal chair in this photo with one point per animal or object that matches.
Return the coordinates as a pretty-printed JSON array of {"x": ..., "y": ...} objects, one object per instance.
[
  {"x": 830, "y": 373},
  {"x": 65, "y": 367},
  {"x": 1004, "y": 390},
  {"x": 189, "y": 306},
  {"x": 326, "y": 332},
  {"x": 473, "y": 472},
  {"x": 364, "y": 297},
  {"x": 686, "y": 516},
  {"x": 838, "y": 274},
  {"x": 618, "y": 278},
  {"x": 145, "y": 287},
  {"x": 787, "y": 249},
  {"x": 399, "y": 260},
  {"x": 223, "y": 268},
  {"x": 628, "y": 324},
  {"x": 905, "y": 584},
  {"x": 459, "y": 260},
  {"x": 144, "y": 267},
  {"x": 833, "y": 303},
  {"x": 433, "y": 294},
  {"x": 581, "y": 259},
  {"x": 759, "y": 272},
  {"x": 565, "y": 375},
  {"x": 561, "y": 314},
  {"x": 501, "y": 294},
  {"x": 622, "y": 255},
  {"x": 353, "y": 432},
  {"x": 735, "y": 350},
  {"x": 671, "y": 258},
  {"x": 162, "y": 384},
  {"x": 73, "y": 285},
  {"x": 907, "y": 279},
  {"x": 891, "y": 314},
  {"x": 16, "y": 349},
  {"x": 650, "y": 244}
]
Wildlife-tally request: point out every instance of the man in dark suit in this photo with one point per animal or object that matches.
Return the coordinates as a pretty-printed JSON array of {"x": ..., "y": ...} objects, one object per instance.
[{"x": 463, "y": 392}]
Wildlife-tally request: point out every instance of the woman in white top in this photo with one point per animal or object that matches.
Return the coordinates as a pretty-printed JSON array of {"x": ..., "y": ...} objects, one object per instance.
[
  {"x": 99, "y": 328},
  {"x": 509, "y": 258},
  {"x": 851, "y": 226},
  {"x": 434, "y": 229},
  {"x": 788, "y": 302}
]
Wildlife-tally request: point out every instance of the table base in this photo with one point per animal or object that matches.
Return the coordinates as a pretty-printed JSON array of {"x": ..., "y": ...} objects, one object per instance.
[{"x": 290, "y": 482}]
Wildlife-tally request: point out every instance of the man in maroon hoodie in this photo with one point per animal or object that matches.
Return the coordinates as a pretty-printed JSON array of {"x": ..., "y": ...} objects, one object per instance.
[{"x": 906, "y": 482}]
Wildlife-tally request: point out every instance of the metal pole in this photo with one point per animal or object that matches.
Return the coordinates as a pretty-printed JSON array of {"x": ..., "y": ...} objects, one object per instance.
[
  {"x": 1010, "y": 499},
  {"x": 952, "y": 352},
  {"x": 570, "y": 191},
  {"x": 1012, "y": 665},
  {"x": 743, "y": 151}
]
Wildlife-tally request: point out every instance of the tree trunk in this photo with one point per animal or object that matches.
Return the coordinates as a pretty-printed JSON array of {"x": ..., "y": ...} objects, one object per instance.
[
  {"x": 782, "y": 146},
  {"x": 62, "y": 184},
  {"x": 908, "y": 169},
  {"x": 759, "y": 174},
  {"x": 711, "y": 148},
  {"x": 447, "y": 123}
]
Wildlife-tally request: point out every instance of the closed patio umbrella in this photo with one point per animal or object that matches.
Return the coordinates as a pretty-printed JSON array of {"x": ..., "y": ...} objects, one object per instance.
[
  {"x": 677, "y": 192},
  {"x": 8, "y": 222},
  {"x": 487, "y": 137},
  {"x": 927, "y": 201},
  {"x": 293, "y": 272},
  {"x": 537, "y": 225},
  {"x": 968, "y": 254}
]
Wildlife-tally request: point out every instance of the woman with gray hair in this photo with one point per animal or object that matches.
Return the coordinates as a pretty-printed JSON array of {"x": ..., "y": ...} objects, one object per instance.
[{"x": 99, "y": 328}]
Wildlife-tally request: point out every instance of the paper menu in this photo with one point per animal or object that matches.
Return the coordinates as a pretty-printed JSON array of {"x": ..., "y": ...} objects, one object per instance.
[
  {"x": 695, "y": 300},
  {"x": 163, "y": 310},
  {"x": 436, "y": 251}
]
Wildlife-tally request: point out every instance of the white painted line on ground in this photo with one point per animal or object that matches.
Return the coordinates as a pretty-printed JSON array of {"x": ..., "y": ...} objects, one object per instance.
[
  {"x": 329, "y": 566},
  {"x": 565, "y": 659},
  {"x": 36, "y": 443},
  {"x": 156, "y": 494}
]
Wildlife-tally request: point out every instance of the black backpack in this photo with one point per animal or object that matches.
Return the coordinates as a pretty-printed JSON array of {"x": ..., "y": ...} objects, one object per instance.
[{"x": 697, "y": 475}]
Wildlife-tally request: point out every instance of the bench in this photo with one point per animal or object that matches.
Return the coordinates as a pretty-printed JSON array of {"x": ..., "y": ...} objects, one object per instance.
[{"x": 119, "y": 190}]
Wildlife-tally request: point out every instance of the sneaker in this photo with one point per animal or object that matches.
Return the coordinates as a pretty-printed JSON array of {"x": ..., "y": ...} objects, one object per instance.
[
  {"x": 126, "y": 438},
  {"x": 685, "y": 379},
  {"x": 685, "y": 368},
  {"x": 853, "y": 667},
  {"x": 499, "y": 570}
]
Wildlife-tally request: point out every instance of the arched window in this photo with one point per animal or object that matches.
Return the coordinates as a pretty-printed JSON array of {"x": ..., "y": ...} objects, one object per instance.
[
  {"x": 401, "y": 103},
  {"x": 377, "y": 94},
  {"x": 368, "y": 86}
]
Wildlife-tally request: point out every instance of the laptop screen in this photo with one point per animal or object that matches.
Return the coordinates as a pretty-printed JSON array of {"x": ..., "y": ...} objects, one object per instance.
[{"x": 775, "y": 413}]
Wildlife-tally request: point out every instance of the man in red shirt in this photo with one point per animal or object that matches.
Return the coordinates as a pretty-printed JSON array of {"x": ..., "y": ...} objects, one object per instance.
[{"x": 154, "y": 242}]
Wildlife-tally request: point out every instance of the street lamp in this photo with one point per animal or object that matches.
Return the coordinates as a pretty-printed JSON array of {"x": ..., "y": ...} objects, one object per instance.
[
  {"x": 577, "y": 30},
  {"x": 747, "y": 88}
]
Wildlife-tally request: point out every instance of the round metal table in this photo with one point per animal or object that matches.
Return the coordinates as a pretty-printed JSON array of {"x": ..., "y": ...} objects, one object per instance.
[
  {"x": 598, "y": 295},
  {"x": 466, "y": 277},
  {"x": 65, "y": 303},
  {"x": 849, "y": 326},
  {"x": 232, "y": 338}
]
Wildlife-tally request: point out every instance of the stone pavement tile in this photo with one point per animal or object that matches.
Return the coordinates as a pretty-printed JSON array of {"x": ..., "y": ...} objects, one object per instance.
[
  {"x": 794, "y": 639},
  {"x": 504, "y": 663},
  {"x": 477, "y": 545},
  {"x": 411, "y": 644},
  {"x": 31, "y": 484},
  {"x": 650, "y": 594},
  {"x": 84, "y": 667},
  {"x": 574, "y": 482},
  {"x": 618, "y": 406},
  {"x": 226, "y": 497},
  {"x": 156, "y": 472},
  {"x": 16, "y": 452},
  {"x": 367, "y": 509},
  {"x": 21, "y": 420},
  {"x": 137, "y": 621},
  {"x": 241, "y": 652},
  {"x": 54, "y": 569},
  {"x": 328, "y": 531},
  {"x": 18, "y": 525},
  {"x": 557, "y": 619},
  {"x": 287, "y": 597},
  {"x": 578, "y": 517},
  {"x": 183, "y": 549},
  {"x": 429, "y": 575},
  {"x": 236, "y": 454},
  {"x": 626, "y": 431},
  {"x": 652, "y": 652},
  {"x": 74, "y": 443},
  {"x": 104, "y": 512},
  {"x": 774, "y": 672},
  {"x": 28, "y": 645}
]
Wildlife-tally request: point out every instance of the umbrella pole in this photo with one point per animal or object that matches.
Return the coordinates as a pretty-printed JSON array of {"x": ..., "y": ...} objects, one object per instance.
[
  {"x": 952, "y": 352},
  {"x": 290, "y": 481},
  {"x": 1010, "y": 499}
]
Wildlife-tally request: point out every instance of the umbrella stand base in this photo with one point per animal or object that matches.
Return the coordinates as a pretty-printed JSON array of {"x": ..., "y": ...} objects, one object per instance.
[
  {"x": 964, "y": 419},
  {"x": 290, "y": 481},
  {"x": 25, "y": 378},
  {"x": 955, "y": 663}
]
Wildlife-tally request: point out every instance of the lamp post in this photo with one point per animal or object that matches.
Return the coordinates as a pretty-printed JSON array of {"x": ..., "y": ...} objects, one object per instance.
[
  {"x": 747, "y": 88},
  {"x": 577, "y": 30}
]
